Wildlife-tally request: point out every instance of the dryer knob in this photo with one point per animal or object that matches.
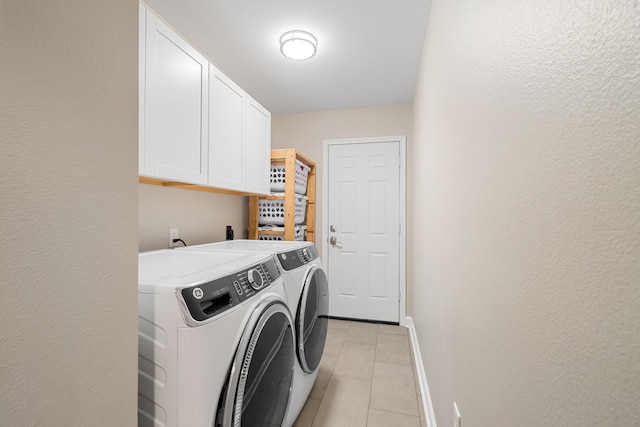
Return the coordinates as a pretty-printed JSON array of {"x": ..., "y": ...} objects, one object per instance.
[{"x": 255, "y": 279}]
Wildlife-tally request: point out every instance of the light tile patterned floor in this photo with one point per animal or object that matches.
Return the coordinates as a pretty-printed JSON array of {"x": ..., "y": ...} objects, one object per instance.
[{"x": 367, "y": 378}]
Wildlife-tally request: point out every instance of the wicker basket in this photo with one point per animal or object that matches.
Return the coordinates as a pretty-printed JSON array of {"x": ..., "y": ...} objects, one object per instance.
[
  {"x": 271, "y": 212},
  {"x": 278, "y": 178},
  {"x": 300, "y": 233}
]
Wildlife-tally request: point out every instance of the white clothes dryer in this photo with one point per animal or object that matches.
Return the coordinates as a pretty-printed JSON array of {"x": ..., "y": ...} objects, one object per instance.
[
  {"x": 216, "y": 342},
  {"x": 307, "y": 291}
]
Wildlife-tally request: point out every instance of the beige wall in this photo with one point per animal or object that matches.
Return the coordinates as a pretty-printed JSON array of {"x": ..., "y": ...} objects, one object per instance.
[
  {"x": 527, "y": 181},
  {"x": 307, "y": 131},
  {"x": 68, "y": 96},
  {"x": 200, "y": 217}
]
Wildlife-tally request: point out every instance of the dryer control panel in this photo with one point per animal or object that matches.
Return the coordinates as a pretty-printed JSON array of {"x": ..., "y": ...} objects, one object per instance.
[
  {"x": 209, "y": 299},
  {"x": 297, "y": 258}
]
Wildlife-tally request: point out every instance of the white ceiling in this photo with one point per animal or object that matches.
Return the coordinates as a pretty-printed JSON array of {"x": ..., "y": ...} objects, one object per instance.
[{"x": 368, "y": 50}]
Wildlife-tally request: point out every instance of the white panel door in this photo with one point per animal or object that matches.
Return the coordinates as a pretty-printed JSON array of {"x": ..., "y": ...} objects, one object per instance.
[
  {"x": 176, "y": 103},
  {"x": 226, "y": 132},
  {"x": 364, "y": 227},
  {"x": 258, "y": 147}
]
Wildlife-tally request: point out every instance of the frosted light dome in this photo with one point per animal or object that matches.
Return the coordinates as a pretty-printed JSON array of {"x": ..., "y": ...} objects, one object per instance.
[{"x": 298, "y": 45}]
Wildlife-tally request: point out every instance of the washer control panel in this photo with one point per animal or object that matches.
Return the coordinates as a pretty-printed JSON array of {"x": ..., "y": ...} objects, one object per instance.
[
  {"x": 297, "y": 258},
  {"x": 209, "y": 299}
]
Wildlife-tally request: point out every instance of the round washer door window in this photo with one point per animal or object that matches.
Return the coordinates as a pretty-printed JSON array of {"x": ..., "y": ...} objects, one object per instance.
[
  {"x": 262, "y": 373},
  {"x": 312, "y": 319}
]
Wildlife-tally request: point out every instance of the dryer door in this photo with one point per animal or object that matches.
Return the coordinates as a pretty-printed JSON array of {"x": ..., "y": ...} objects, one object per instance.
[
  {"x": 312, "y": 319},
  {"x": 259, "y": 385}
]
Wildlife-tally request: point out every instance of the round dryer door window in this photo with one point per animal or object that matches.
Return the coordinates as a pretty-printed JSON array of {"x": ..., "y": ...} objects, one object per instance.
[
  {"x": 312, "y": 319},
  {"x": 257, "y": 393}
]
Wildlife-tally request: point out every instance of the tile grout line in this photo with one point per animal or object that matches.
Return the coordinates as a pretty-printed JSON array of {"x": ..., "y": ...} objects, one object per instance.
[{"x": 366, "y": 421}]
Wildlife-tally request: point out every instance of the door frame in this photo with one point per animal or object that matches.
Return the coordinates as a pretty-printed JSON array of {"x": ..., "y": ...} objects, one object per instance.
[{"x": 401, "y": 140}]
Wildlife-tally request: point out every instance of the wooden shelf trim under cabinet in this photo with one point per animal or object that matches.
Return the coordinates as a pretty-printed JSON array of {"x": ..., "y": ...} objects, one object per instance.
[{"x": 196, "y": 187}]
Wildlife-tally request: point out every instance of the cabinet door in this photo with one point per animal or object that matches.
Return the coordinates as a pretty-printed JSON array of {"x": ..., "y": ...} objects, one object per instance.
[
  {"x": 258, "y": 147},
  {"x": 142, "y": 52},
  {"x": 176, "y": 104},
  {"x": 226, "y": 132}
]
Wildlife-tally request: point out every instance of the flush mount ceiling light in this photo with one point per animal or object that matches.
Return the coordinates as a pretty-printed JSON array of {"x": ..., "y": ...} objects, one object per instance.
[{"x": 298, "y": 45}]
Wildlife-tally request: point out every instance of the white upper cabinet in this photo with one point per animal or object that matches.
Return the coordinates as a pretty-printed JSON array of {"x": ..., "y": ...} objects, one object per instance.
[
  {"x": 196, "y": 125},
  {"x": 174, "y": 97},
  {"x": 226, "y": 132},
  {"x": 142, "y": 30},
  {"x": 258, "y": 147},
  {"x": 239, "y": 137}
]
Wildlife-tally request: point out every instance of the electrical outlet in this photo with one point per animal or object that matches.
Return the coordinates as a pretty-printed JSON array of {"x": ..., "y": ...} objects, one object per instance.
[
  {"x": 457, "y": 419},
  {"x": 173, "y": 234}
]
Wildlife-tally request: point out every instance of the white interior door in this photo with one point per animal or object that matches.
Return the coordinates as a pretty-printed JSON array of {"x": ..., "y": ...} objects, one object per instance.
[{"x": 363, "y": 210}]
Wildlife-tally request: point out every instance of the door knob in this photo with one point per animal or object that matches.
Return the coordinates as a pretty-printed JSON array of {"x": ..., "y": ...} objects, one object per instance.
[
  {"x": 333, "y": 240},
  {"x": 332, "y": 228}
]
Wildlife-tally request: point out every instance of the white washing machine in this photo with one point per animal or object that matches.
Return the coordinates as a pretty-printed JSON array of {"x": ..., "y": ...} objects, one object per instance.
[
  {"x": 307, "y": 292},
  {"x": 216, "y": 340}
]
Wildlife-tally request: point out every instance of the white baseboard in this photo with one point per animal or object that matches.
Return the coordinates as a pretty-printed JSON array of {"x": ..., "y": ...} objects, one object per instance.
[{"x": 422, "y": 377}]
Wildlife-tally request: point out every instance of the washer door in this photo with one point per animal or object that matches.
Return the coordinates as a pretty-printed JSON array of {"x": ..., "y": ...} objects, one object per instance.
[
  {"x": 312, "y": 319},
  {"x": 259, "y": 385}
]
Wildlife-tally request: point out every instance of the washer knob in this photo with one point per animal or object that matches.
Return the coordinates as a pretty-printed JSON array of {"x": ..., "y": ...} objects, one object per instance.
[{"x": 255, "y": 279}]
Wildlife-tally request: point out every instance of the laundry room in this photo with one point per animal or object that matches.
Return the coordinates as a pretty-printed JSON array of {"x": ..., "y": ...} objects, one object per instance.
[{"x": 497, "y": 142}]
